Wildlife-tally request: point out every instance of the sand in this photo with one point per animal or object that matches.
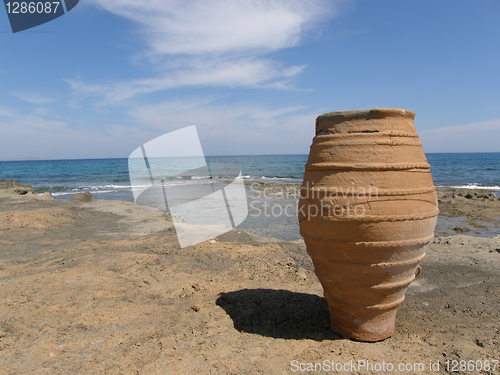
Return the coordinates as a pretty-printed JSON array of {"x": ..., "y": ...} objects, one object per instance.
[{"x": 101, "y": 287}]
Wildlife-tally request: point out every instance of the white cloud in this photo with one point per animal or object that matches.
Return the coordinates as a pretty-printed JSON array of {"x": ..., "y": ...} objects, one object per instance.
[
  {"x": 474, "y": 137},
  {"x": 174, "y": 27},
  {"x": 23, "y": 135},
  {"x": 22, "y": 144},
  {"x": 212, "y": 43},
  {"x": 263, "y": 115},
  {"x": 196, "y": 72},
  {"x": 12, "y": 121},
  {"x": 33, "y": 98},
  {"x": 31, "y": 136},
  {"x": 227, "y": 129},
  {"x": 6, "y": 112}
]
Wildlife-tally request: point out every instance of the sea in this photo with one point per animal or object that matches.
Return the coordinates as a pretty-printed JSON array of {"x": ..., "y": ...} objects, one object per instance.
[{"x": 110, "y": 179}]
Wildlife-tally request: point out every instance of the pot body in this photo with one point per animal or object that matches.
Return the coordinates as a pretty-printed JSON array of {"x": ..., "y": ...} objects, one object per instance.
[{"x": 367, "y": 211}]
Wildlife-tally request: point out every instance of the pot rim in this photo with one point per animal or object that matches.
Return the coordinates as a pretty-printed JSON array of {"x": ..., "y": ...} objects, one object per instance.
[{"x": 374, "y": 113}]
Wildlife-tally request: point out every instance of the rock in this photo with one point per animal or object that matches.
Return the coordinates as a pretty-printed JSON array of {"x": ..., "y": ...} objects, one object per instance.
[
  {"x": 45, "y": 196},
  {"x": 302, "y": 273},
  {"x": 82, "y": 197},
  {"x": 8, "y": 184},
  {"x": 469, "y": 196},
  {"x": 21, "y": 191},
  {"x": 461, "y": 229},
  {"x": 15, "y": 187}
]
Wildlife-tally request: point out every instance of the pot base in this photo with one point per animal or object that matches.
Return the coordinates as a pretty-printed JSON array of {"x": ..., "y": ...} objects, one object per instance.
[
  {"x": 363, "y": 324},
  {"x": 361, "y": 335}
]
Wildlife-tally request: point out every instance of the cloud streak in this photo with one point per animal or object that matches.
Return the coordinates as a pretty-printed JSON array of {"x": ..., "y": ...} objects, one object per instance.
[
  {"x": 256, "y": 73},
  {"x": 224, "y": 130},
  {"x": 31, "y": 136},
  {"x": 13, "y": 121},
  {"x": 33, "y": 98},
  {"x": 474, "y": 137},
  {"x": 233, "y": 129}
]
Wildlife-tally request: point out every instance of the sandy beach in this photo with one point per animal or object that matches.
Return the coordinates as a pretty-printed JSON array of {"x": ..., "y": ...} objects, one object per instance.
[{"x": 102, "y": 287}]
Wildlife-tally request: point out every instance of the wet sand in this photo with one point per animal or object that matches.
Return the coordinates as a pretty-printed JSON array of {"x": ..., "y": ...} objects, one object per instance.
[{"x": 101, "y": 287}]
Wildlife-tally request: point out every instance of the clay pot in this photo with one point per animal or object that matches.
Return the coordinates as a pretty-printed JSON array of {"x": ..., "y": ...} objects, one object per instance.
[{"x": 367, "y": 211}]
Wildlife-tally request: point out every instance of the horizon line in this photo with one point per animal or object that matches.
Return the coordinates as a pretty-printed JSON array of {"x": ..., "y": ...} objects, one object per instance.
[{"x": 118, "y": 158}]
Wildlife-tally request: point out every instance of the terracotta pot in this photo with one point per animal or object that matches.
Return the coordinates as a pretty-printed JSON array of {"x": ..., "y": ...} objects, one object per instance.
[{"x": 367, "y": 211}]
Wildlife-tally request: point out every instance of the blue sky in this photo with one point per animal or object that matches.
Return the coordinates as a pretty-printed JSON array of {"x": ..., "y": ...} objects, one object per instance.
[{"x": 252, "y": 75}]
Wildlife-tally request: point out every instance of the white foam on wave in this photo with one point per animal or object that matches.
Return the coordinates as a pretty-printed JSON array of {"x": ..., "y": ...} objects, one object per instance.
[
  {"x": 114, "y": 188},
  {"x": 73, "y": 193},
  {"x": 200, "y": 177},
  {"x": 472, "y": 187},
  {"x": 279, "y": 178},
  {"x": 60, "y": 194},
  {"x": 102, "y": 187}
]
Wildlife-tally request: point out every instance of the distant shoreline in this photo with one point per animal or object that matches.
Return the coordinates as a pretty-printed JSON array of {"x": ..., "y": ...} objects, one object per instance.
[
  {"x": 253, "y": 155},
  {"x": 109, "y": 178}
]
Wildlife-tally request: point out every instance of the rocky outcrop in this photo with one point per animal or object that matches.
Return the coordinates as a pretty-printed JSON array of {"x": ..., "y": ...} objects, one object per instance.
[
  {"x": 82, "y": 197},
  {"x": 11, "y": 188},
  {"x": 45, "y": 196},
  {"x": 15, "y": 187}
]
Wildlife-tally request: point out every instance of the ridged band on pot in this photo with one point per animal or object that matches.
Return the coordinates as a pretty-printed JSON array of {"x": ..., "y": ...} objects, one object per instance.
[{"x": 367, "y": 211}]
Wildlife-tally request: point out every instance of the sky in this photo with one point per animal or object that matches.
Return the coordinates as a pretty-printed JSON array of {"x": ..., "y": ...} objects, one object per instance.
[{"x": 252, "y": 75}]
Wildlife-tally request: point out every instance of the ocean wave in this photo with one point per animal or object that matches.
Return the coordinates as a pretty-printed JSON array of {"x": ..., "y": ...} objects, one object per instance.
[
  {"x": 50, "y": 189},
  {"x": 280, "y": 178},
  {"x": 199, "y": 177},
  {"x": 103, "y": 187},
  {"x": 61, "y": 194},
  {"x": 472, "y": 187},
  {"x": 107, "y": 188}
]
